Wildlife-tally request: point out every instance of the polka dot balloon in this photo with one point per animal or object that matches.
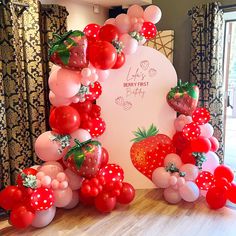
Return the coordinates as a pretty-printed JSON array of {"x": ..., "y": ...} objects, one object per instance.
[
  {"x": 201, "y": 116},
  {"x": 148, "y": 30},
  {"x": 95, "y": 90},
  {"x": 42, "y": 199},
  {"x": 92, "y": 31},
  {"x": 98, "y": 127},
  {"x": 205, "y": 180},
  {"x": 191, "y": 131},
  {"x": 112, "y": 172}
]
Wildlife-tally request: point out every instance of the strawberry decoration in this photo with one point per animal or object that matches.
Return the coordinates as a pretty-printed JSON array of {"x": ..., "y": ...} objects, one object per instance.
[
  {"x": 205, "y": 180},
  {"x": 42, "y": 199},
  {"x": 149, "y": 150},
  {"x": 201, "y": 116},
  {"x": 95, "y": 127},
  {"x": 84, "y": 158},
  {"x": 183, "y": 98},
  {"x": 69, "y": 50}
]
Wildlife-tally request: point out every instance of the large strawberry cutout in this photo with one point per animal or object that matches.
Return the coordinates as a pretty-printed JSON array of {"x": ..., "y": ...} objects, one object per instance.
[
  {"x": 149, "y": 150},
  {"x": 69, "y": 50},
  {"x": 84, "y": 158},
  {"x": 183, "y": 98}
]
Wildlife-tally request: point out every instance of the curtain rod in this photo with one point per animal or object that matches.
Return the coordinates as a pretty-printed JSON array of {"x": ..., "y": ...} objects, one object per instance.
[{"x": 228, "y": 6}]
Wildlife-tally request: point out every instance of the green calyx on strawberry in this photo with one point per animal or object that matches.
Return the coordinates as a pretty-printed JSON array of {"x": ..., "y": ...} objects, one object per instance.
[
  {"x": 27, "y": 178},
  {"x": 149, "y": 150},
  {"x": 84, "y": 158},
  {"x": 184, "y": 97},
  {"x": 200, "y": 159},
  {"x": 173, "y": 169},
  {"x": 69, "y": 50}
]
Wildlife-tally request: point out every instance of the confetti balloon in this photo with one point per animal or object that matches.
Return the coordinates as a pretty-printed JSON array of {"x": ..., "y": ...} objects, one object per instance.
[
  {"x": 112, "y": 172},
  {"x": 191, "y": 131},
  {"x": 205, "y": 180},
  {"x": 148, "y": 30},
  {"x": 201, "y": 116}
]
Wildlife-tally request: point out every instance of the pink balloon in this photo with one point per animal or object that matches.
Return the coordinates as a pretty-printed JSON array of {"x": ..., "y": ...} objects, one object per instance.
[
  {"x": 55, "y": 67},
  {"x": 75, "y": 181},
  {"x": 189, "y": 191},
  {"x": 58, "y": 101},
  {"x": 135, "y": 11},
  {"x": 123, "y": 23},
  {"x": 207, "y": 130},
  {"x": 180, "y": 182},
  {"x": 61, "y": 176},
  {"x": 62, "y": 197},
  {"x": 152, "y": 14},
  {"x": 137, "y": 27},
  {"x": 214, "y": 144},
  {"x": 191, "y": 171},
  {"x": 51, "y": 168},
  {"x": 110, "y": 21},
  {"x": 75, "y": 99},
  {"x": 46, "y": 181},
  {"x": 44, "y": 217},
  {"x": 81, "y": 134},
  {"x": 64, "y": 83},
  {"x": 130, "y": 44},
  {"x": 172, "y": 196},
  {"x": 85, "y": 81},
  {"x": 133, "y": 20},
  {"x": 86, "y": 72},
  {"x": 74, "y": 200},
  {"x": 93, "y": 78},
  {"x": 55, "y": 184},
  {"x": 173, "y": 180},
  {"x": 47, "y": 149},
  {"x": 181, "y": 121},
  {"x": 160, "y": 177},
  {"x": 173, "y": 158},
  {"x": 63, "y": 185},
  {"x": 102, "y": 75},
  {"x": 211, "y": 163}
]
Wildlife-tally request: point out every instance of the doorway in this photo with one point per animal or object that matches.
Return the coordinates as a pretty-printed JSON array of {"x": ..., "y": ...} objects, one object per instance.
[{"x": 230, "y": 89}]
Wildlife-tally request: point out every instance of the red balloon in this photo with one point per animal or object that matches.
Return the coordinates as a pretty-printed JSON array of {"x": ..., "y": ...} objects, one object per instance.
[
  {"x": 92, "y": 31},
  {"x": 187, "y": 156},
  {"x": 86, "y": 200},
  {"x": 112, "y": 172},
  {"x": 120, "y": 61},
  {"x": 191, "y": 131},
  {"x": 127, "y": 194},
  {"x": 96, "y": 111},
  {"x": 201, "y": 144},
  {"x": 105, "y": 203},
  {"x": 21, "y": 217},
  {"x": 214, "y": 144},
  {"x": 102, "y": 55},
  {"x": 201, "y": 116},
  {"x": 205, "y": 180},
  {"x": 109, "y": 33},
  {"x": 232, "y": 193},
  {"x": 223, "y": 183},
  {"x": 10, "y": 197},
  {"x": 148, "y": 30},
  {"x": 82, "y": 107},
  {"x": 216, "y": 198},
  {"x": 64, "y": 120},
  {"x": 224, "y": 171},
  {"x": 97, "y": 128},
  {"x": 95, "y": 90},
  {"x": 42, "y": 199},
  {"x": 105, "y": 157},
  {"x": 179, "y": 141}
]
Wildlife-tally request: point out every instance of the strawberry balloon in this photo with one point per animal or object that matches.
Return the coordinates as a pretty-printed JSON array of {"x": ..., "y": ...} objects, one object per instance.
[
  {"x": 84, "y": 158},
  {"x": 183, "y": 98},
  {"x": 149, "y": 150},
  {"x": 69, "y": 50}
]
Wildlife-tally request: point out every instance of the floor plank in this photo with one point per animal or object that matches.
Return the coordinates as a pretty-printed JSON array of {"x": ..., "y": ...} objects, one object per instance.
[{"x": 148, "y": 215}]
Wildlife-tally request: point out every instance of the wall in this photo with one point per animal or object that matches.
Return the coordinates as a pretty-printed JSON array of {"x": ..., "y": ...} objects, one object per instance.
[
  {"x": 175, "y": 17},
  {"x": 80, "y": 14}
]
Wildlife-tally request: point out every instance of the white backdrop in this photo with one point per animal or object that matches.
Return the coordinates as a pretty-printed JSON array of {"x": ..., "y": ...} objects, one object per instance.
[{"x": 135, "y": 96}]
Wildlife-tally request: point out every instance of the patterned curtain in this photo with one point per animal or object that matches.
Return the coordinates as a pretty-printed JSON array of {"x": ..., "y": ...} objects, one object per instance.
[
  {"x": 53, "y": 21},
  {"x": 206, "y": 63},
  {"x": 23, "y": 73}
]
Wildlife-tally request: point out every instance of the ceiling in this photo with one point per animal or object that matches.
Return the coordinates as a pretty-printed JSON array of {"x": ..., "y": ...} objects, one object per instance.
[{"x": 113, "y": 3}]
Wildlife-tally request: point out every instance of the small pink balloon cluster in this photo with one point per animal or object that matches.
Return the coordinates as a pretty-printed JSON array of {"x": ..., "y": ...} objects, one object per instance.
[{"x": 177, "y": 180}]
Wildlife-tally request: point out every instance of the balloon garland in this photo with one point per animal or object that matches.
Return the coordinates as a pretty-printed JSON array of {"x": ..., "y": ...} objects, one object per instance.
[
  {"x": 186, "y": 166},
  {"x": 75, "y": 164}
]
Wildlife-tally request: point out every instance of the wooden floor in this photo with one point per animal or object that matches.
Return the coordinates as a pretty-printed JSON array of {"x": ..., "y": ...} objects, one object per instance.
[{"x": 148, "y": 215}]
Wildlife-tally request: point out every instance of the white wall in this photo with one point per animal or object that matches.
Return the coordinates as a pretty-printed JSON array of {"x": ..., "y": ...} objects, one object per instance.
[{"x": 80, "y": 14}]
